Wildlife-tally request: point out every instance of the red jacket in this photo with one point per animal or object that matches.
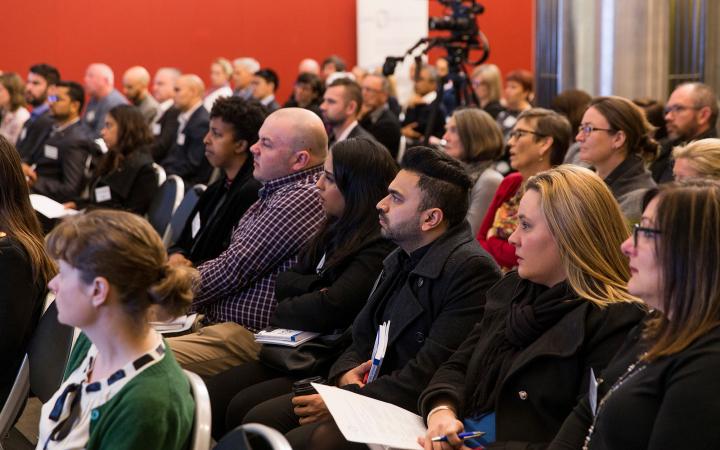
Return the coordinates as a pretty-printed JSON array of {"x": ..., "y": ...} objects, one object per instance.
[{"x": 500, "y": 249}]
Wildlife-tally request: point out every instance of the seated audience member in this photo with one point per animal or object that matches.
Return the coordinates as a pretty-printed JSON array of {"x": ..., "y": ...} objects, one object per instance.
[
  {"x": 537, "y": 143},
  {"x": 332, "y": 64},
  {"x": 376, "y": 117},
  {"x": 264, "y": 84},
  {"x": 572, "y": 103},
  {"x": 614, "y": 138},
  {"x": 307, "y": 93},
  {"x": 331, "y": 282},
  {"x": 359, "y": 73},
  {"x": 660, "y": 390},
  {"x": 26, "y": 268},
  {"x": 12, "y": 106},
  {"x": 422, "y": 106},
  {"x": 236, "y": 292},
  {"x": 309, "y": 65},
  {"x": 474, "y": 138},
  {"x": 58, "y": 169},
  {"x": 38, "y": 127},
  {"x": 519, "y": 91},
  {"x": 698, "y": 159},
  {"x": 432, "y": 290},
  {"x": 135, "y": 87},
  {"x": 122, "y": 387},
  {"x": 186, "y": 157},
  {"x": 655, "y": 114},
  {"x": 221, "y": 71},
  {"x": 342, "y": 102},
  {"x": 487, "y": 84},
  {"x": 243, "y": 70},
  {"x": 124, "y": 177},
  {"x": 564, "y": 312},
  {"x": 234, "y": 125},
  {"x": 690, "y": 114},
  {"x": 99, "y": 82},
  {"x": 165, "y": 124}
]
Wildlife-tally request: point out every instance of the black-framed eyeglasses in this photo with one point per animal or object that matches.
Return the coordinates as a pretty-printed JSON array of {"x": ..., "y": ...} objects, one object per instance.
[
  {"x": 648, "y": 233},
  {"x": 519, "y": 132},
  {"x": 674, "y": 109},
  {"x": 586, "y": 129}
]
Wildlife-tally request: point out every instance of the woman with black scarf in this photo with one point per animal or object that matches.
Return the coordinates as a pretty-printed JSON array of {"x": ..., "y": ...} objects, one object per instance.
[{"x": 561, "y": 315}]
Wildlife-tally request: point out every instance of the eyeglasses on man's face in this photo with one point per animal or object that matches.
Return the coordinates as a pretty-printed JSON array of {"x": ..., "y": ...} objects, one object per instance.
[
  {"x": 647, "y": 233},
  {"x": 586, "y": 129},
  {"x": 675, "y": 109}
]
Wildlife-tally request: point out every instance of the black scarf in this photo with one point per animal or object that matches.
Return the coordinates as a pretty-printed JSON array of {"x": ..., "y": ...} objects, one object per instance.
[{"x": 532, "y": 309}]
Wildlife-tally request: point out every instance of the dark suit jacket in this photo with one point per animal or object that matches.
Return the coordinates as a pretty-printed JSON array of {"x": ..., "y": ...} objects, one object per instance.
[
  {"x": 132, "y": 185},
  {"x": 34, "y": 135},
  {"x": 546, "y": 379},
  {"x": 168, "y": 134},
  {"x": 442, "y": 298},
  {"x": 421, "y": 115},
  {"x": 63, "y": 178},
  {"x": 216, "y": 229},
  {"x": 360, "y": 132},
  {"x": 386, "y": 130},
  {"x": 188, "y": 159}
]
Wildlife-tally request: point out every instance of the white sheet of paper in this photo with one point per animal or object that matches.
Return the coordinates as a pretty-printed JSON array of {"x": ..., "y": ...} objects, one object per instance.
[
  {"x": 195, "y": 225},
  {"x": 49, "y": 207},
  {"x": 369, "y": 421}
]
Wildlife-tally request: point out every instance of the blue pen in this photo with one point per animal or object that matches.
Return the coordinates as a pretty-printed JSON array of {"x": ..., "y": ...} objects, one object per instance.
[{"x": 464, "y": 436}]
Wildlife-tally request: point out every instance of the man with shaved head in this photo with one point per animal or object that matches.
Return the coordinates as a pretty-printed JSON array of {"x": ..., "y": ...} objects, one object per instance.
[
  {"x": 237, "y": 289},
  {"x": 243, "y": 70},
  {"x": 186, "y": 157},
  {"x": 135, "y": 87},
  {"x": 309, "y": 65},
  {"x": 99, "y": 80},
  {"x": 165, "y": 124}
]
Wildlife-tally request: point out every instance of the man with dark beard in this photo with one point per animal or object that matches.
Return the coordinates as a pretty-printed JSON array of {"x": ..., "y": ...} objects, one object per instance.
[
  {"x": 340, "y": 109},
  {"x": 37, "y": 128}
]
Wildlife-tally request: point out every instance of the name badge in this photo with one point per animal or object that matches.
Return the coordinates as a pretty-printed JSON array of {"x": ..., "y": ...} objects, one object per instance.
[
  {"x": 90, "y": 116},
  {"x": 23, "y": 134},
  {"x": 181, "y": 139},
  {"x": 102, "y": 194},
  {"x": 51, "y": 152},
  {"x": 156, "y": 129},
  {"x": 195, "y": 226}
]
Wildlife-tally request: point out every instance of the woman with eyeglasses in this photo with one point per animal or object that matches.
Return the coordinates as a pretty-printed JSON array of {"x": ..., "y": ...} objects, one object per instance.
[
  {"x": 615, "y": 138},
  {"x": 123, "y": 388},
  {"x": 563, "y": 313},
  {"x": 487, "y": 84},
  {"x": 538, "y": 142},
  {"x": 662, "y": 389},
  {"x": 474, "y": 138}
]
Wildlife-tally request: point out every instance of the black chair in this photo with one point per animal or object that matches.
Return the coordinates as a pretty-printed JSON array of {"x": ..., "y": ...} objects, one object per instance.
[
  {"x": 165, "y": 203},
  {"x": 42, "y": 369},
  {"x": 237, "y": 438},
  {"x": 182, "y": 214}
]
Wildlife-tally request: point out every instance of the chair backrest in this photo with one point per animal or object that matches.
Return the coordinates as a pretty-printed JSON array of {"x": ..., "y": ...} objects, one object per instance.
[
  {"x": 48, "y": 353},
  {"x": 200, "y": 439},
  {"x": 160, "y": 172},
  {"x": 165, "y": 203},
  {"x": 237, "y": 438},
  {"x": 182, "y": 214},
  {"x": 16, "y": 399}
]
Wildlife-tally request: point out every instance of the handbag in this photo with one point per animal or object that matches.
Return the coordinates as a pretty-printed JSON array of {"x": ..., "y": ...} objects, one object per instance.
[{"x": 310, "y": 358}]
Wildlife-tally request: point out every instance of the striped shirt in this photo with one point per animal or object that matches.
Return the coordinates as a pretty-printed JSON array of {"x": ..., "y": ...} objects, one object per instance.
[{"x": 239, "y": 285}]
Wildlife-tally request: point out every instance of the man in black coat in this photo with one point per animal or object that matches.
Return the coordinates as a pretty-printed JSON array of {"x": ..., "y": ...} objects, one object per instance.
[
  {"x": 377, "y": 118},
  {"x": 165, "y": 125},
  {"x": 342, "y": 102},
  {"x": 691, "y": 114},
  {"x": 60, "y": 168},
  {"x": 234, "y": 125},
  {"x": 38, "y": 127},
  {"x": 432, "y": 291},
  {"x": 186, "y": 157}
]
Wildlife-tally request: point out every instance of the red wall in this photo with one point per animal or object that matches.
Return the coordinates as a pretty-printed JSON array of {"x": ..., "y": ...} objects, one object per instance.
[{"x": 188, "y": 34}]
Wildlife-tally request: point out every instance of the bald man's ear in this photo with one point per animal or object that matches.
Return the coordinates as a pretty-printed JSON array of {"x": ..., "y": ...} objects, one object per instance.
[{"x": 302, "y": 159}]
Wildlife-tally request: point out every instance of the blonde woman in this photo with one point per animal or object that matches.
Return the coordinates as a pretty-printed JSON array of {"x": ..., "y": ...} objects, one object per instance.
[
  {"x": 221, "y": 71},
  {"x": 487, "y": 83},
  {"x": 697, "y": 159},
  {"x": 564, "y": 312},
  {"x": 474, "y": 138}
]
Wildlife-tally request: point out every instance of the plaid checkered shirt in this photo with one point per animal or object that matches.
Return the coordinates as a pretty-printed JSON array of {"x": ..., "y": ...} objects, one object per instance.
[{"x": 239, "y": 285}]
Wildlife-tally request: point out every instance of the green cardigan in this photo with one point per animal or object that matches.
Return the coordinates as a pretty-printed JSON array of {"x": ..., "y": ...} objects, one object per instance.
[{"x": 154, "y": 410}]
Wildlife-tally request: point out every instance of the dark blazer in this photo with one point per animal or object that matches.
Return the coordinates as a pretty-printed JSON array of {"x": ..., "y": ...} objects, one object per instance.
[
  {"x": 442, "y": 298},
  {"x": 132, "y": 185},
  {"x": 421, "y": 114},
  {"x": 386, "y": 130},
  {"x": 662, "y": 167},
  {"x": 216, "y": 229},
  {"x": 188, "y": 159},
  {"x": 360, "y": 132},
  {"x": 329, "y": 300},
  {"x": 34, "y": 134},
  {"x": 64, "y": 173},
  {"x": 546, "y": 379},
  {"x": 168, "y": 134},
  {"x": 494, "y": 108}
]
